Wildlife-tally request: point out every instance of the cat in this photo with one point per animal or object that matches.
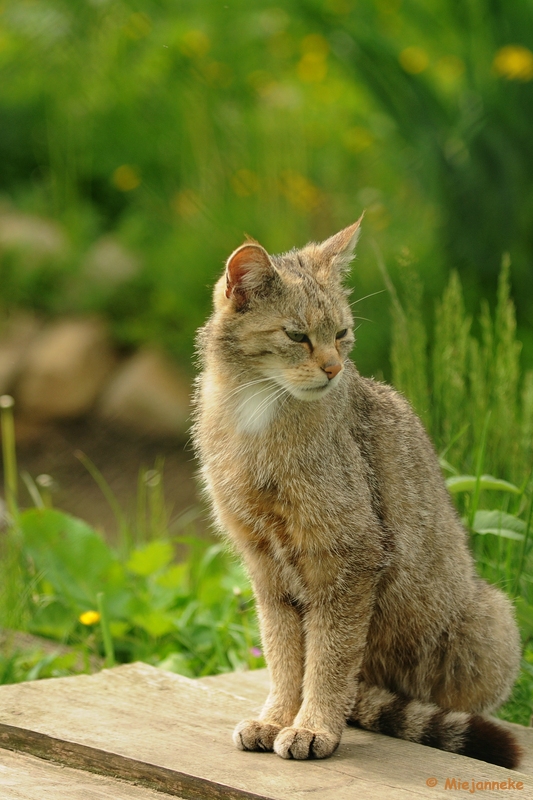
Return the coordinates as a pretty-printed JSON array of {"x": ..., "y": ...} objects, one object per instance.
[{"x": 327, "y": 484}]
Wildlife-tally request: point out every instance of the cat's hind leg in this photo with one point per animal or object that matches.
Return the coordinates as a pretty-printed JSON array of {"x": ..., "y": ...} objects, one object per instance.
[
  {"x": 482, "y": 657},
  {"x": 475, "y": 674}
]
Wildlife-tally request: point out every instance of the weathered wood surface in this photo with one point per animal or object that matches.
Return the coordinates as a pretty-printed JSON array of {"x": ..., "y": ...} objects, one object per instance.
[
  {"x": 254, "y": 686},
  {"x": 173, "y": 734},
  {"x": 24, "y": 777}
]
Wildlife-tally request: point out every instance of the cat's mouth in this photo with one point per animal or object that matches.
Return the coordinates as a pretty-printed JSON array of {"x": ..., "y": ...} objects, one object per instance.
[{"x": 309, "y": 393}]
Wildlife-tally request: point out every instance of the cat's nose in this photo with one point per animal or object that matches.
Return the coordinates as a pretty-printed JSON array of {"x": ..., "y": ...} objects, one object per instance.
[{"x": 332, "y": 369}]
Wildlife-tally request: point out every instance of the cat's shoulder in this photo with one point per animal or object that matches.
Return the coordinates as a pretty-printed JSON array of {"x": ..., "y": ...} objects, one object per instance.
[
  {"x": 376, "y": 404},
  {"x": 376, "y": 395}
]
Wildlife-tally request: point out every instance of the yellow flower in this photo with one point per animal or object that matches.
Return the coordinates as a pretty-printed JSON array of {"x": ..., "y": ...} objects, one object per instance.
[
  {"x": 195, "y": 44},
  {"x": 413, "y": 60},
  {"x": 357, "y": 139},
  {"x": 313, "y": 66},
  {"x": 186, "y": 203},
  {"x": 89, "y": 618},
  {"x": 138, "y": 25},
  {"x": 126, "y": 178},
  {"x": 299, "y": 191},
  {"x": 514, "y": 62}
]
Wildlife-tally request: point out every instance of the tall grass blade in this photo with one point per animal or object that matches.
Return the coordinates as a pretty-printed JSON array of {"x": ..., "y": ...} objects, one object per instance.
[
  {"x": 479, "y": 469},
  {"x": 109, "y": 650},
  {"x": 450, "y": 367},
  {"x": 409, "y": 339},
  {"x": 101, "y": 482},
  {"x": 525, "y": 546},
  {"x": 9, "y": 454}
]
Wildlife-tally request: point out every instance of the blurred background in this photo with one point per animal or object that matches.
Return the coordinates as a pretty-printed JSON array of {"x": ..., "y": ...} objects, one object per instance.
[{"x": 140, "y": 141}]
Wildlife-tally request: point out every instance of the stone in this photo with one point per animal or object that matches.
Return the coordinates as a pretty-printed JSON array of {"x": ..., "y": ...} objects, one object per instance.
[
  {"x": 109, "y": 263},
  {"x": 16, "y": 335},
  {"x": 35, "y": 236},
  {"x": 65, "y": 368},
  {"x": 148, "y": 393}
]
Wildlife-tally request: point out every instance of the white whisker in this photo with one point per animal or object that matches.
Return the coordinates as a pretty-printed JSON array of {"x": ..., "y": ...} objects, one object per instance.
[
  {"x": 373, "y": 294},
  {"x": 266, "y": 403},
  {"x": 287, "y": 395},
  {"x": 246, "y": 385}
]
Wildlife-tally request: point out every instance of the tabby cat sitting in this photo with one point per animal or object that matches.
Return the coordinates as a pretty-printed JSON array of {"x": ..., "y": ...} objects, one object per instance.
[{"x": 326, "y": 482}]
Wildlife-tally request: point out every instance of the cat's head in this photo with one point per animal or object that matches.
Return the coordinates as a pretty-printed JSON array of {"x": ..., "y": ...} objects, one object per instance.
[{"x": 286, "y": 317}]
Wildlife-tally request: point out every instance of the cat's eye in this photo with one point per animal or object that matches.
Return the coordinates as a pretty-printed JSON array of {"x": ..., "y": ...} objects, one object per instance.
[
  {"x": 341, "y": 334},
  {"x": 296, "y": 336}
]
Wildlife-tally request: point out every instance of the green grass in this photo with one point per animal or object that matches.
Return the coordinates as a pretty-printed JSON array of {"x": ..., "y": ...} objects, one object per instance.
[{"x": 61, "y": 580}]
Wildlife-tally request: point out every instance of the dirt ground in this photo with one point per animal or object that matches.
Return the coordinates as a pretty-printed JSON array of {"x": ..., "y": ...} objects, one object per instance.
[{"x": 119, "y": 454}]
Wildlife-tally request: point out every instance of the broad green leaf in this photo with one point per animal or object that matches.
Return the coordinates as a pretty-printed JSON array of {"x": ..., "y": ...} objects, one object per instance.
[
  {"x": 499, "y": 523},
  {"x": 177, "y": 662},
  {"x": 155, "y": 623},
  {"x": 173, "y": 577},
  {"x": 150, "y": 558},
  {"x": 68, "y": 554},
  {"x": 54, "y": 620},
  {"x": 467, "y": 483},
  {"x": 53, "y": 665},
  {"x": 118, "y": 629}
]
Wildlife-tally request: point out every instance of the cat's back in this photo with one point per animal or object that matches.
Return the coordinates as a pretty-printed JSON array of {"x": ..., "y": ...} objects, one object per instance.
[{"x": 407, "y": 487}]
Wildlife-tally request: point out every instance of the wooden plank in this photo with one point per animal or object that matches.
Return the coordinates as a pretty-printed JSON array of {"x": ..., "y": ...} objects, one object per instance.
[
  {"x": 174, "y": 734},
  {"x": 254, "y": 686},
  {"x": 24, "y": 777}
]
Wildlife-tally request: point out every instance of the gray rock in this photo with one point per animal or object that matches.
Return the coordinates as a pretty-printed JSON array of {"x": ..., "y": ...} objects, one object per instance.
[
  {"x": 16, "y": 335},
  {"x": 109, "y": 263},
  {"x": 33, "y": 235},
  {"x": 150, "y": 394},
  {"x": 65, "y": 368}
]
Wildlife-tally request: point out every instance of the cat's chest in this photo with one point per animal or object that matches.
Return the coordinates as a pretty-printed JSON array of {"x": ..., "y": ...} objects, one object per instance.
[
  {"x": 256, "y": 406},
  {"x": 267, "y": 513},
  {"x": 280, "y": 494}
]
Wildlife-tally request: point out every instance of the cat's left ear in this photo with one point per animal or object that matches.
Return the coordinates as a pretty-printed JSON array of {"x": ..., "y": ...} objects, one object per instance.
[
  {"x": 337, "y": 252},
  {"x": 248, "y": 269}
]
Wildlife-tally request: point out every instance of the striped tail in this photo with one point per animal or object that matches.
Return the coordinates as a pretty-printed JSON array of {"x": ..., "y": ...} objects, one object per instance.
[{"x": 456, "y": 731}]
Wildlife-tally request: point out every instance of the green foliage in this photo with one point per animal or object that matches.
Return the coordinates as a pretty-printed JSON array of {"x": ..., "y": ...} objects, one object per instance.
[
  {"x": 409, "y": 343},
  {"x": 177, "y": 129},
  {"x": 195, "y": 616},
  {"x": 456, "y": 80},
  {"x": 33, "y": 664},
  {"x": 469, "y": 380}
]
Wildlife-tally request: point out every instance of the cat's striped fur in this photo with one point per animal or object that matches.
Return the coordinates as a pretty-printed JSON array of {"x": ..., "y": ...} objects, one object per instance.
[{"x": 376, "y": 709}]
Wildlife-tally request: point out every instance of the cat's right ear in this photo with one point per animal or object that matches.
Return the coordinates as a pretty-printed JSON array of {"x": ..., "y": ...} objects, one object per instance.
[
  {"x": 338, "y": 251},
  {"x": 248, "y": 269}
]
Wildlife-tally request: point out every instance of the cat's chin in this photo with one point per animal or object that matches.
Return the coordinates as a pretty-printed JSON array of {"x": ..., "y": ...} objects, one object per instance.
[{"x": 312, "y": 393}]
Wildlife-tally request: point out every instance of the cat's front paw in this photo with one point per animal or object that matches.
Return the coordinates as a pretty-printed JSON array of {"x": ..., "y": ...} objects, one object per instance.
[
  {"x": 303, "y": 743},
  {"x": 252, "y": 734}
]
